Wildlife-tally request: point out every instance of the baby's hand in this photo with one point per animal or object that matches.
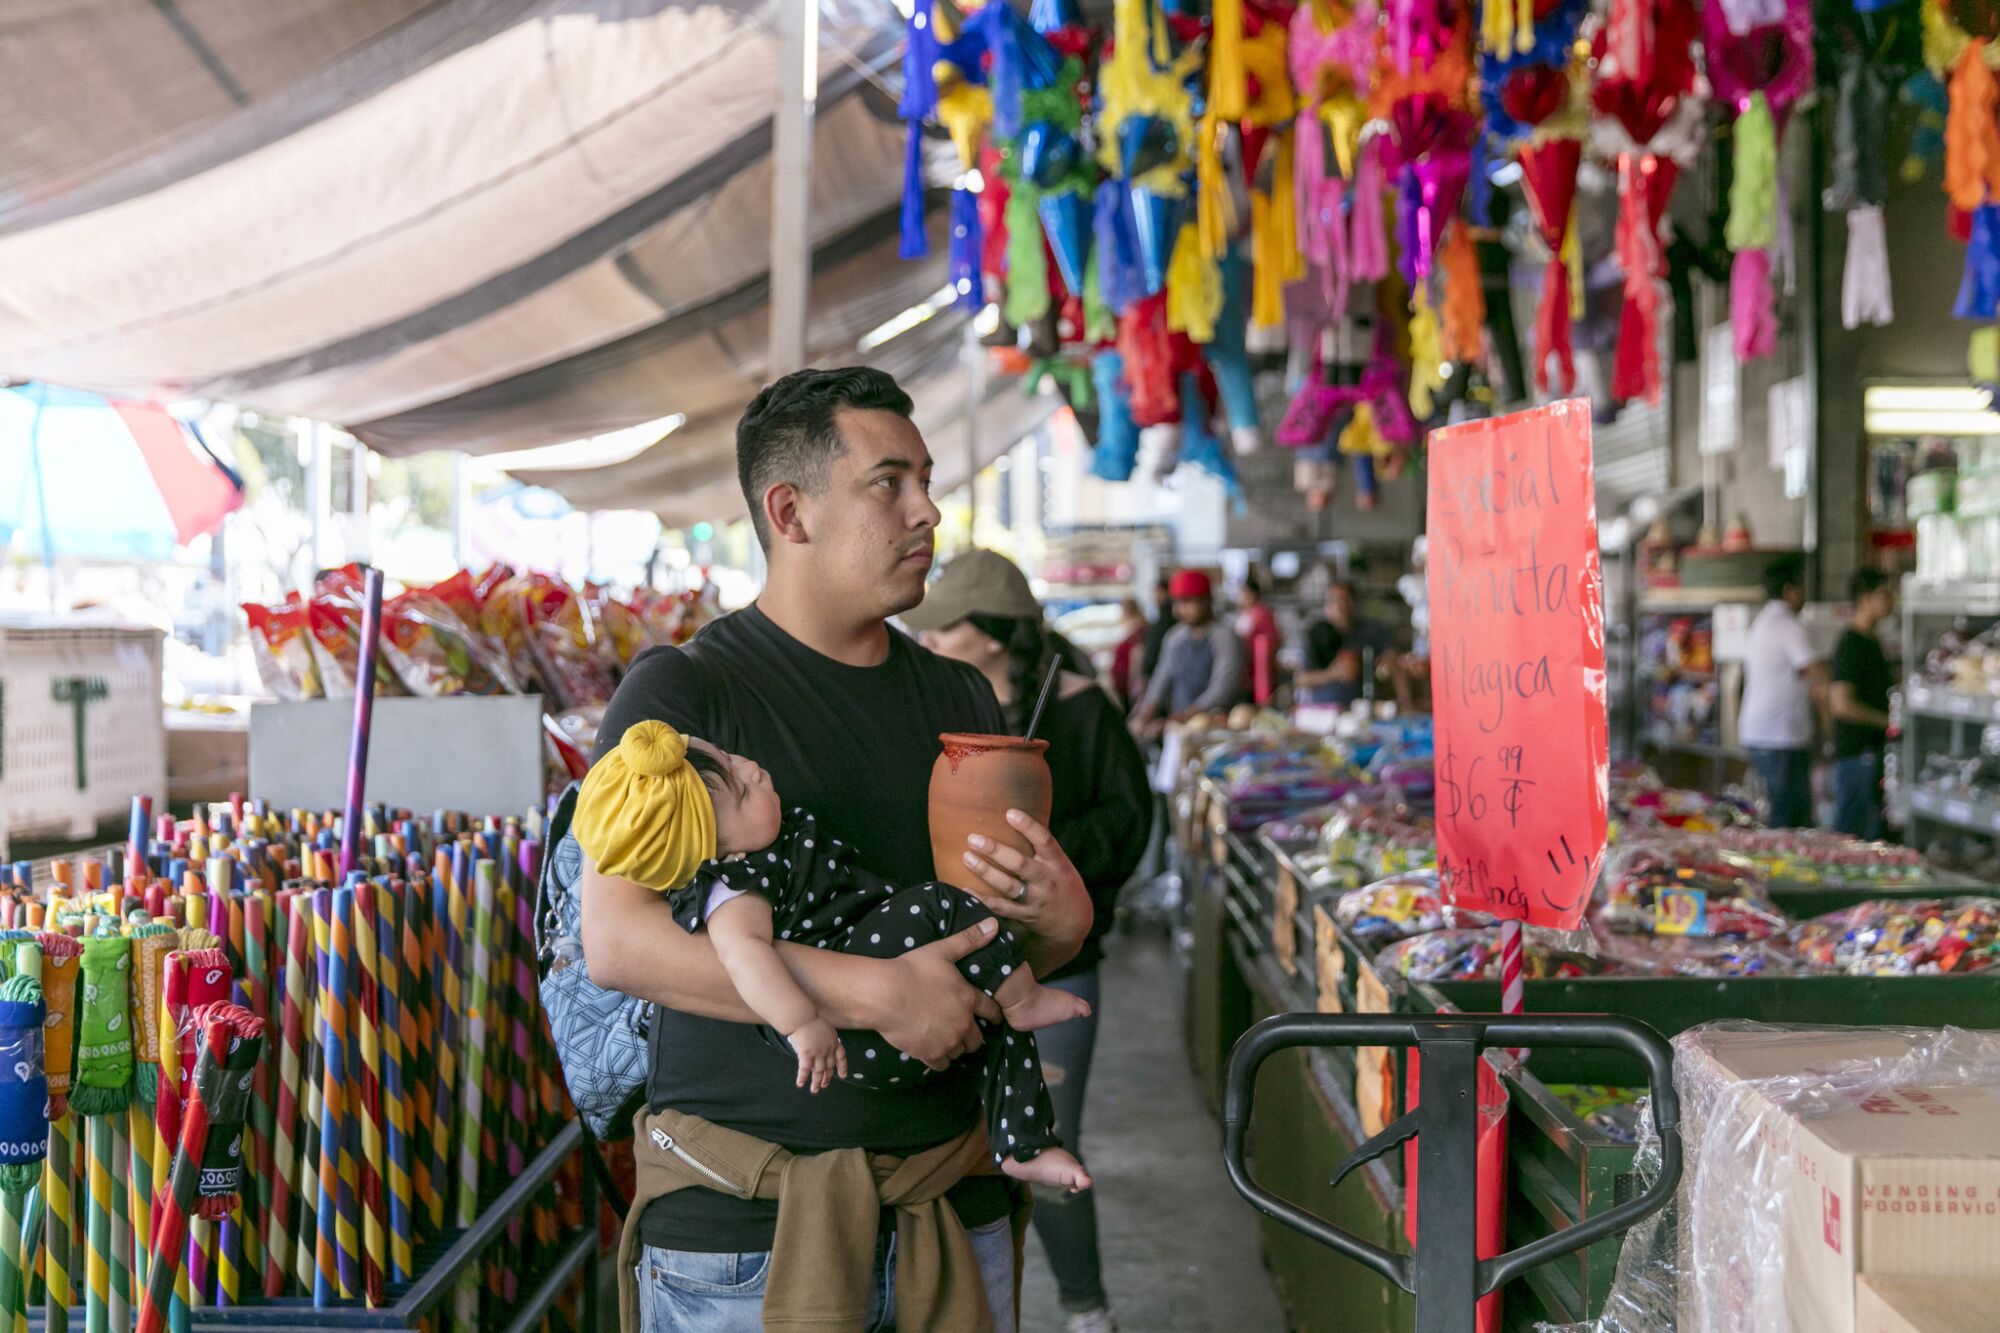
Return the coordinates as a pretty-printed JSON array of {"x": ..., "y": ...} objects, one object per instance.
[{"x": 822, "y": 1058}]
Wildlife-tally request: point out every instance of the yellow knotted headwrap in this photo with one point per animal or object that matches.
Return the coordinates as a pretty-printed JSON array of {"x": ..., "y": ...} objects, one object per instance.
[{"x": 644, "y": 814}]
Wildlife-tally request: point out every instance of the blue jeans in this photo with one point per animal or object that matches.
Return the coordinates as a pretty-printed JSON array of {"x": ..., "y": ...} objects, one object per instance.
[
  {"x": 1787, "y": 779},
  {"x": 1857, "y": 794},
  {"x": 1067, "y": 1223},
  {"x": 686, "y": 1291}
]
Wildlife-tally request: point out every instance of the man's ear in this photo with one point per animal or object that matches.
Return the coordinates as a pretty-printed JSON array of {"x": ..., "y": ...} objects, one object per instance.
[{"x": 782, "y": 514}]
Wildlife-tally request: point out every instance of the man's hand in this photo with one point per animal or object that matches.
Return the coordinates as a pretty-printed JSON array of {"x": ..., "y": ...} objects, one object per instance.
[
  {"x": 1043, "y": 892},
  {"x": 931, "y": 1012},
  {"x": 822, "y": 1058}
]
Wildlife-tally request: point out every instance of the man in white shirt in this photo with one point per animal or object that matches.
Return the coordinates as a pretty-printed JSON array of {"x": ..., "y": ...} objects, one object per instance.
[{"x": 1781, "y": 680}]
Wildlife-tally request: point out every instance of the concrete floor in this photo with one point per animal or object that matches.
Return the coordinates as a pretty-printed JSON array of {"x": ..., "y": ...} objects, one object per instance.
[{"x": 1179, "y": 1244}]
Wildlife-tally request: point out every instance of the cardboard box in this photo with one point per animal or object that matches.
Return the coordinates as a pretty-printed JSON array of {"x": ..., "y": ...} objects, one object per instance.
[
  {"x": 1903, "y": 1183},
  {"x": 1906, "y": 1184},
  {"x": 1915, "y": 1305}
]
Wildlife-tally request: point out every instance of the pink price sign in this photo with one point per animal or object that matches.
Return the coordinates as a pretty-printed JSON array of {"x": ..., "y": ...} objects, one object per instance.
[{"x": 1517, "y": 664}]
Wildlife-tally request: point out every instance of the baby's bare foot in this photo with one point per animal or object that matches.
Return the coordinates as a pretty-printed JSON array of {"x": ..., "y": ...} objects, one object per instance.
[
  {"x": 1051, "y": 1166},
  {"x": 1029, "y": 1005}
]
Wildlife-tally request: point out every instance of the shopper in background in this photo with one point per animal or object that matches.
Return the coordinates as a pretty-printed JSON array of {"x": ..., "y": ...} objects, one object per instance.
[
  {"x": 1340, "y": 648},
  {"x": 1162, "y": 625},
  {"x": 1128, "y": 658},
  {"x": 1258, "y": 629},
  {"x": 844, "y": 713},
  {"x": 1202, "y": 667},
  {"x": 982, "y": 612},
  {"x": 1861, "y": 708},
  {"x": 1781, "y": 679}
]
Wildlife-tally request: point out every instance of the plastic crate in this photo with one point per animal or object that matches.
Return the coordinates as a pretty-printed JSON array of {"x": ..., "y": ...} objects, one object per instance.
[{"x": 81, "y": 727}]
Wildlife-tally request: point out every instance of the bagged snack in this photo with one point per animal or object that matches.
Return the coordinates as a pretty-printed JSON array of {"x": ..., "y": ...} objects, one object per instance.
[
  {"x": 334, "y": 615},
  {"x": 281, "y": 643},
  {"x": 435, "y": 654}
]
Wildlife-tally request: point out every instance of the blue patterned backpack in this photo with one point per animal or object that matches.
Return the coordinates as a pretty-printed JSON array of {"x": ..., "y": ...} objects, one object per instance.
[{"x": 600, "y": 1034}]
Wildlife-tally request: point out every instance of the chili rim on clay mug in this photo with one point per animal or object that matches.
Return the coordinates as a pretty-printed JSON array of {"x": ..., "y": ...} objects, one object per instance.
[{"x": 975, "y": 782}]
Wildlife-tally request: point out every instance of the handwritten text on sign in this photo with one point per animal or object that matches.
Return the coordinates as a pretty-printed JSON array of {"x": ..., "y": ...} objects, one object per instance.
[{"x": 1517, "y": 663}]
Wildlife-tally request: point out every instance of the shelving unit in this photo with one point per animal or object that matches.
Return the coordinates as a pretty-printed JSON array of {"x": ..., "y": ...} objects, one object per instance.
[
  {"x": 1938, "y": 720},
  {"x": 1707, "y": 762}
]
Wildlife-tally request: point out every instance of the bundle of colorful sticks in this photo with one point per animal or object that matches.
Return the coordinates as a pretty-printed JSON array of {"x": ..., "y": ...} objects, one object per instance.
[{"x": 406, "y": 1076}]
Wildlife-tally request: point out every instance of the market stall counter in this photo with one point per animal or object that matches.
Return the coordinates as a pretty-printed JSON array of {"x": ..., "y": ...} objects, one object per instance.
[{"x": 1331, "y": 907}]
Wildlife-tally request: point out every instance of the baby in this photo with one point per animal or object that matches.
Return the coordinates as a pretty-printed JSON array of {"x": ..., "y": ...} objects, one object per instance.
[{"x": 684, "y": 816}]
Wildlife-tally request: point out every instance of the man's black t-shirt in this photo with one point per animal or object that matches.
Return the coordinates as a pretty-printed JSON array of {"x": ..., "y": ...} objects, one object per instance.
[
  {"x": 855, "y": 746},
  {"x": 1859, "y": 660}
]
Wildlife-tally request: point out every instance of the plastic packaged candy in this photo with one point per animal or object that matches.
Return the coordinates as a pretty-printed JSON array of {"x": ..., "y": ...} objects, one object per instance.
[
  {"x": 1400, "y": 907},
  {"x": 1904, "y": 937},
  {"x": 281, "y": 643},
  {"x": 1691, "y": 956},
  {"x": 1684, "y": 886},
  {"x": 1819, "y": 856},
  {"x": 1299, "y": 830},
  {"x": 1377, "y": 833},
  {"x": 1616, "y": 1113},
  {"x": 1474, "y": 955},
  {"x": 1677, "y": 808}
]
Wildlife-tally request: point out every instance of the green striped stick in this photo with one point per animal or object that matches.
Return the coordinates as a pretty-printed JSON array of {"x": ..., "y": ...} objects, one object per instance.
[{"x": 472, "y": 1106}]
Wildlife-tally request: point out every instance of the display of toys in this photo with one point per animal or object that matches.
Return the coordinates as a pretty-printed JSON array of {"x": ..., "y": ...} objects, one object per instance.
[
  {"x": 1684, "y": 887},
  {"x": 1818, "y": 856},
  {"x": 1400, "y": 907},
  {"x": 1892, "y": 937},
  {"x": 1473, "y": 954}
]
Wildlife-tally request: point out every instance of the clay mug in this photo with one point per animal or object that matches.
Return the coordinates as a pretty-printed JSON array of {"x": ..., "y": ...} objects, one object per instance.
[{"x": 975, "y": 782}]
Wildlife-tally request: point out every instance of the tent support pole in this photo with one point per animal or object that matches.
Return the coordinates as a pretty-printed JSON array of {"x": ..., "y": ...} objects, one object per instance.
[
  {"x": 791, "y": 183},
  {"x": 973, "y": 355}
]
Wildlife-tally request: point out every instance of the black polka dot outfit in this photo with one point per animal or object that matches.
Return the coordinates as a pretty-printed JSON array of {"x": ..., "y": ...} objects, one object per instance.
[{"x": 820, "y": 897}]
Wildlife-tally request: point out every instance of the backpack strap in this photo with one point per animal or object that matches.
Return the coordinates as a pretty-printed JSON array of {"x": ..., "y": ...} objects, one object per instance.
[{"x": 560, "y": 865}]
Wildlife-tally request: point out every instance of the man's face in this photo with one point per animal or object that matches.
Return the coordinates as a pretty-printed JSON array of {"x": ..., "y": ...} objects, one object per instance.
[
  {"x": 1881, "y": 604},
  {"x": 1192, "y": 610},
  {"x": 1339, "y": 607},
  {"x": 1795, "y": 597},
  {"x": 872, "y": 528}
]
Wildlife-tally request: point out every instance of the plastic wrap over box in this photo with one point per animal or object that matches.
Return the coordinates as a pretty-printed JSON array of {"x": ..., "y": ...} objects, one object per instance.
[{"x": 1817, "y": 1157}]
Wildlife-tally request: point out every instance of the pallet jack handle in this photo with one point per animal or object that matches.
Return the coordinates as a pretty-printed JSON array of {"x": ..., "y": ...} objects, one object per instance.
[{"x": 1444, "y": 1273}]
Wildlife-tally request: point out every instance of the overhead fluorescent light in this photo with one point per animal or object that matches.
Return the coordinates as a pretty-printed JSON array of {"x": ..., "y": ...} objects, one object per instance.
[
  {"x": 1928, "y": 409},
  {"x": 1926, "y": 397},
  {"x": 924, "y": 310},
  {"x": 595, "y": 451}
]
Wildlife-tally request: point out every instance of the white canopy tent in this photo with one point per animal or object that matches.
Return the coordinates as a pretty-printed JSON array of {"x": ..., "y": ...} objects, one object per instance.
[{"x": 483, "y": 225}]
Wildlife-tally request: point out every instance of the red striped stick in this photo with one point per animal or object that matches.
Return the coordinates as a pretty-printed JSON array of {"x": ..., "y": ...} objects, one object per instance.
[{"x": 230, "y": 1042}]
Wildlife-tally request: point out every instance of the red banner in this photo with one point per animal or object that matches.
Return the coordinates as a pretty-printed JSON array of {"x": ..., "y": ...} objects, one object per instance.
[{"x": 1517, "y": 664}]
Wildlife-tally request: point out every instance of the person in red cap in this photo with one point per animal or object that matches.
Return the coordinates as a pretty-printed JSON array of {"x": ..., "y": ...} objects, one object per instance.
[{"x": 1202, "y": 665}]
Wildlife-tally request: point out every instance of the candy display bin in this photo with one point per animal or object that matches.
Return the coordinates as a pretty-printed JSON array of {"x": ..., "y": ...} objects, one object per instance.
[{"x": 81, "y": 729}]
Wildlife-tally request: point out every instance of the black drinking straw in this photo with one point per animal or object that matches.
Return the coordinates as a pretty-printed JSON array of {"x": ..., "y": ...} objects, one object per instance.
[{"x": 1048, "y": 687}]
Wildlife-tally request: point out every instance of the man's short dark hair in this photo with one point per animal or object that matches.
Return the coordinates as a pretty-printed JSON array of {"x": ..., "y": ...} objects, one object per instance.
[
  {"x": 789, "y": 432},
  {"x": 1784, "y": 571},
  {"x": 1866, "y": 581}
]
